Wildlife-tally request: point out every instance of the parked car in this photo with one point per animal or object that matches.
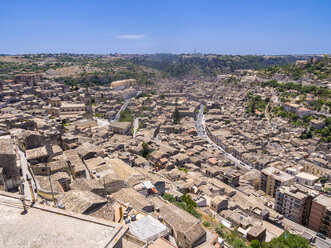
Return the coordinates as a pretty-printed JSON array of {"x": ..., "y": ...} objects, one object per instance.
[{"x": 321, "y": 235}]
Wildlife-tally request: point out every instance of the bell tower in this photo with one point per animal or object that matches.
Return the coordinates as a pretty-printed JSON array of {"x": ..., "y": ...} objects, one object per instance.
[{"x": 88, "y": 105}]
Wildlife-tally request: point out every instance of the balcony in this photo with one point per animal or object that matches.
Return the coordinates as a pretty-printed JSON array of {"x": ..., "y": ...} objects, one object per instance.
[
  {"x": 325, "y": 217},
  {"x": 326, "y": 223}
]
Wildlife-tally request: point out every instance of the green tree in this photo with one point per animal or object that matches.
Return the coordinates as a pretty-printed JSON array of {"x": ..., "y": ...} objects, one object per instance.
[
  {"x": 145, "y": 151},
  {"x": 227, "y": 122},
  {"x": 206, "y": 223},
  {"x": 238, "y": 243},
  {"x": 287, "y": 240},
  {"x": 257, "y": 98},
  {"x": 328, "y": 121},
  {"x": 323, "y": 180},
  {"x": 325, "y": 132},
  {"x": 169, "y": 197},
  {"x": 220, "y": 232},
  {"x": 253, "y": 107},
  {"x": 305, "y": 119},
  {"x": 188, "y": 200},
  {"x": 175, "y": 116},
  {"x": 255, "y": 244}
]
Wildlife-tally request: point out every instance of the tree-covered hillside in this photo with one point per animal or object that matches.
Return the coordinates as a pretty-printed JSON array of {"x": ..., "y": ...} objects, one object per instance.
[
  {"x": 208, "y": 65},
  {"x": 102, "y": 69},
  {"x": 315, "y": 70}
]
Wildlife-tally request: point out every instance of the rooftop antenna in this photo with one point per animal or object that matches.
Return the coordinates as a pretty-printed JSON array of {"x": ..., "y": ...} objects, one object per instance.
[{"x": 195, "y": 50}]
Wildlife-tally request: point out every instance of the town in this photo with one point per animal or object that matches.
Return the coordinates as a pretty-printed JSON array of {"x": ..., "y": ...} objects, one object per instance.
[{"x": 231, "y": 160}]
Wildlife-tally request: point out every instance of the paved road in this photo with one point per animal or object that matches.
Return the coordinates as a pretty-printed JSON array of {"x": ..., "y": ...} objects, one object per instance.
[
  {"x": 25, "y": 171},
  {"x": 322, "y": 243},
  {"x": 135, "y": 126},
  {"x": 200, "y": 125},
  {"x": 169, "y": 181},
  {"x": 124, "y": 106},
  {"x": 201, "y": 129},
  {"x": 105, "y": 123}
]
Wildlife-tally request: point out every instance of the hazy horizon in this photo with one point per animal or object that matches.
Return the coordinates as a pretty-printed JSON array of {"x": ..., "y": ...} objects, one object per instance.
[{"x": 107, "y": 54}]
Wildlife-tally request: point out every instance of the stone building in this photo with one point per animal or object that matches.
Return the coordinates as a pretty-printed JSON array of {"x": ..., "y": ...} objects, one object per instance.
[
  {"x": 30, "y": 139},
  {"x": 30, "y": 79},
  {"x": 9, "y": 172},
  {"x": 120, "y": 127},
  {"x": 122, "y": 84},
  {"x": 219, "y": 203},
  {"x": 72, "y": 108}
]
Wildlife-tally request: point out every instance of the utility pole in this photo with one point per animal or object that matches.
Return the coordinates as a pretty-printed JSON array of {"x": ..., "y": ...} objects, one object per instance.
[{"x": 104, "y": 186}]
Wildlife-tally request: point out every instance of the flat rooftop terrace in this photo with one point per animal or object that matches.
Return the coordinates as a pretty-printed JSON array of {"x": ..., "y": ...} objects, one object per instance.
[{"x": 44, "y": 226}]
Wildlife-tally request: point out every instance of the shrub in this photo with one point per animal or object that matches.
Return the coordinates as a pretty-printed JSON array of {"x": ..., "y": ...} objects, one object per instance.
[{"x": 206, "y": 223}]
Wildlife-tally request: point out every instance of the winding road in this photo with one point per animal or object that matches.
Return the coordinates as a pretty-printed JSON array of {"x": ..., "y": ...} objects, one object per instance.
[
  {"x": 201, "y": 129},
  {"x": 26, "y": 172},
  {"x": 105, "y": 122},
  {"x": 124, "y": 106}
]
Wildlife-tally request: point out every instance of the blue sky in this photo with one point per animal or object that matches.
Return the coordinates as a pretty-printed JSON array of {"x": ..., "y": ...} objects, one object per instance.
[{"x": 175, "y": 26}]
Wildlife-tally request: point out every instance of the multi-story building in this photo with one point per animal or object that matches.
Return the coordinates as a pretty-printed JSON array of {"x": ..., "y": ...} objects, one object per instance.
[
  {"x": 320, "y": 215},
  {"x": 271, "y": 178},
  {"x": 316, "y": 170},
  {"x": 30, "y": 79},
  {"x": 293, "y": 203}
]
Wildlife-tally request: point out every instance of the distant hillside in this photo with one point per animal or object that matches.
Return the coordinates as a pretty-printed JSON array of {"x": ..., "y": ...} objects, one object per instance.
[
  {"x": 315, "y": 70},
  {"x": 102, "y": 69},
  {"x": 208, "y": 65}
]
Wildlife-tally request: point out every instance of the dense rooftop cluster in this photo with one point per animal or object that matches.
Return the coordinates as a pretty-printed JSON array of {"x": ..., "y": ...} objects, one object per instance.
[{"x": 187, "y": 162}]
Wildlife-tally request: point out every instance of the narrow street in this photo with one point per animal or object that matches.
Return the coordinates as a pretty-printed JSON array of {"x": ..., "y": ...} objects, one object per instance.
[
  {"x": 322, "y": 243},
  {"x": 135, "y": 126},
  {"x": 105, "y": 123},
  {"x": 201, "y": 129},
  {"x": 25, "y": 173},
  {"x": 124, "y": 106}
]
